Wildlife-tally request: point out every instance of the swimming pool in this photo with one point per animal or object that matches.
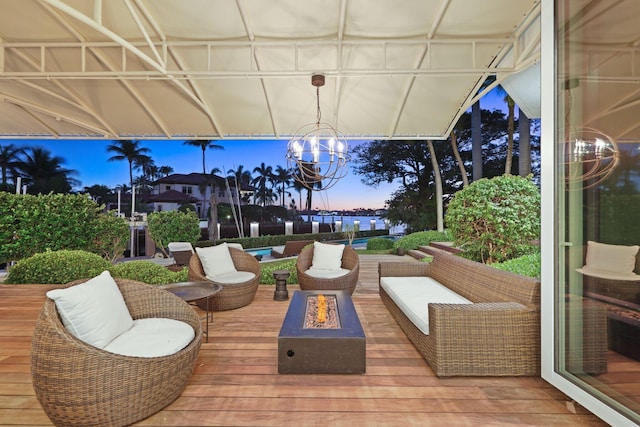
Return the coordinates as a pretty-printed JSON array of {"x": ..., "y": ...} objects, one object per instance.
[{"x": 359, "y": 243}]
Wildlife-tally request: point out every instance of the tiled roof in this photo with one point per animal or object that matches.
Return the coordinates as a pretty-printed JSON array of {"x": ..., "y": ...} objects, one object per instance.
[
  {"x": 171, "y": 196},
  {"x": 195, "y": 178}
]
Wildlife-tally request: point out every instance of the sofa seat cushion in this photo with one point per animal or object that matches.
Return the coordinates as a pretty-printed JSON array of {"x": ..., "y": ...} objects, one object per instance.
[
  {"x": 413, "y": 295},
  {"x": 609, "y": 275},
  {"x": 153, "y": 337},
  {"x": 235, "y": 277},
  {"x": 326, "y": 274}
]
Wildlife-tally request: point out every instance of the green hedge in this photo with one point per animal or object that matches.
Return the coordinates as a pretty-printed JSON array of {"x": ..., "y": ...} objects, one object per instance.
[
  {"x": 526, "y": 265},
  {"x": 421, "y": 238},
  {"x": 267, "y": 269},
  {"x": 34, "y": 224},
  {"x": 60, "y": 267},
  {"x": 57, "y": 267},
  {"x": 278, "y": 240},
  {"x": 493, "y": 220},
  {"x": 148, "y": 272},
  {"x": 379, "y": 244}
]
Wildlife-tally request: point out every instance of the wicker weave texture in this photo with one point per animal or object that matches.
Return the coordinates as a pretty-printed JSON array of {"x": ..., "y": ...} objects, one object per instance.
[
  {"x": 81, "y": 385},
  {"x": 232, "y": 295},
  {"x": 481, "y": 283},
  {"x": 586, "y": 342},
  {"x": 487, "y": 338},
  {"x": 348, "y": 282}
]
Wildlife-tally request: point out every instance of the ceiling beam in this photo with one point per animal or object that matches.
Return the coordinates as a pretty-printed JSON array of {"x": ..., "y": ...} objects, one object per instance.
[{"x": 149, "y": 111}]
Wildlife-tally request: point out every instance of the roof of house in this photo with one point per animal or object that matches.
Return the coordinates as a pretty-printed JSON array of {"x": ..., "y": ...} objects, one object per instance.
[
  {"x": 196, "y": 178},
  {"x": 170, "y": 196}
]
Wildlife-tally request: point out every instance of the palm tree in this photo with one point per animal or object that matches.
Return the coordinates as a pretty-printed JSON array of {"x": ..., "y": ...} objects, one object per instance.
[
  {"x": 9, "y": 159},
  {"x": 44, "y": 173},
  {"x": 203, "y": 144},
  {"x": 165, "y": 170},
  {"x": 510, "y": 128},
  {"x": 148, "y": 168},
  {"x": 283, "y": 178},
  {"x": 128, "y": 150},
  {"x": 240, "y": 174},
  {"x": 298, "y": 186},
  {"x": 438, "y": 183},
  {"x": 264, "y": 178},
  {"x": 456, "y": 154},
  {"x": 524, "y": 144},
  {"x": 212, "y": 182},
  {"x": 476, "y": 141}
]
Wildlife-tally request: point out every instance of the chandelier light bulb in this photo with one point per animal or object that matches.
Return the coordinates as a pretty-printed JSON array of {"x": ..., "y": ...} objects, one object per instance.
[{"x": 311, "y": 152}]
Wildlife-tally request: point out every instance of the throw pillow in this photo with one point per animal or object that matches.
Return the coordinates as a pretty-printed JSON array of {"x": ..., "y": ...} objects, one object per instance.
[
  {"x": 327, "y": 256},
  {"x": 216, "y": 260},
  {"x": 618, "y": 259},
  {"x": 93, "y": 311}
]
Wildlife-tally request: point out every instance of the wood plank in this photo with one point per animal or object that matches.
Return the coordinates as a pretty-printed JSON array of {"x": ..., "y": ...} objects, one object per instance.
[{"x": 236, "y": 383}]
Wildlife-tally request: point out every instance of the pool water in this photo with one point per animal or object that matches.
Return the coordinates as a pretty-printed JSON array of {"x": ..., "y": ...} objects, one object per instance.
[{"x": 360, "y": 243}]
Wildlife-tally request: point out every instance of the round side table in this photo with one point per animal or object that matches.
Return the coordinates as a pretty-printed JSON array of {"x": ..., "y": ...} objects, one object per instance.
[{"x": 194, "y": 291}]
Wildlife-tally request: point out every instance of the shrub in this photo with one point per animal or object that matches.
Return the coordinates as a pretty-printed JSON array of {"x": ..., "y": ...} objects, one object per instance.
[
  {"x": 379, "y": 244},
  {"x": 147, "y": 272},
  {"x": 33, "y": 224},
  {"x": 267, "y": 269},
  {"x": 526, "y": 265},
  {"x": 112, "y": 236},
  {"x": 57, "y": 267},
  {"x": 421, "y": 238},
  {"x": 496, "y": 219},
  {"x": 173, "y": 226}
]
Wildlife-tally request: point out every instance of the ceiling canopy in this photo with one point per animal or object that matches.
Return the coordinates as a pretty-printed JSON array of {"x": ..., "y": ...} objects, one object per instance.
[{"x": 241, "y": 69}]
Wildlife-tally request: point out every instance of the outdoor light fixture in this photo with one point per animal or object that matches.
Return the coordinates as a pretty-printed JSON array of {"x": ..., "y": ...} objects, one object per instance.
[
  {"x": 590, "y": 157},
  {"x": 317, "y": 155}
]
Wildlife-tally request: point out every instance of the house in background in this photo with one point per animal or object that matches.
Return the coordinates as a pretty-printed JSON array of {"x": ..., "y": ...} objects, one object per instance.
[{"x": 172, "y": 191}]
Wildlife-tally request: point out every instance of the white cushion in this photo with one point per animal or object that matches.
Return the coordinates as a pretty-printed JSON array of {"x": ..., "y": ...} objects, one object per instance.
[
  {"x": 235, "y": 277},
  {"x": 326, "y": 256},
  {"x": 154, "y": 337},
  {"x": 216, "y": 260},
  {"x": 413, "y": 295},
  {"x": 608, "y": 274},
  {"x": 180, "y": 247},
  {"x": 327, "y": 274},
  {"x": 93, "y": 311},
  {"x": 617, "y": 259}
]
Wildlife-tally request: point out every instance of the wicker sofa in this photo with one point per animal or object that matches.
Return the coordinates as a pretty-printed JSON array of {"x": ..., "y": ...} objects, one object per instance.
[{"x": 496, "y": 334}]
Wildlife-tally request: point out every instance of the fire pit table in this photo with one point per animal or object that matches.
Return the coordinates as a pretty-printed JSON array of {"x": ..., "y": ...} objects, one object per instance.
[{"x": 321, "y": 334}]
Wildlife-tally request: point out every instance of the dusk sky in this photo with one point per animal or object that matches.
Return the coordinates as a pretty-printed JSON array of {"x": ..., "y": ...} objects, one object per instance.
[{"x": 90, "y": 160}]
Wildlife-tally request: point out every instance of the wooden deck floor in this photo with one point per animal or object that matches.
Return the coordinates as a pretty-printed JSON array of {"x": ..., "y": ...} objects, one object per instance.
[{"x": 236, "y": 381}]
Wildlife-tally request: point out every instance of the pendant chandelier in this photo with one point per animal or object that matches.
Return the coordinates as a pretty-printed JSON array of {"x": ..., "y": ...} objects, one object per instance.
[
  {"x": 590, "y": 157},
  {"x": 317, "y": 155}
]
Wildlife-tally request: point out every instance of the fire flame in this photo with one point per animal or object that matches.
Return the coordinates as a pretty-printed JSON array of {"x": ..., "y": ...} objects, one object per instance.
[{"x": 322, "y": 308}]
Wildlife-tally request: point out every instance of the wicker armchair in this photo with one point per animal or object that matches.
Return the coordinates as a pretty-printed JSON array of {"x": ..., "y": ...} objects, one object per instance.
[
  {"x": 81, "y": 385},
  {"x": 348, "y": 282},
  {"x": 232, "y": 295}
]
